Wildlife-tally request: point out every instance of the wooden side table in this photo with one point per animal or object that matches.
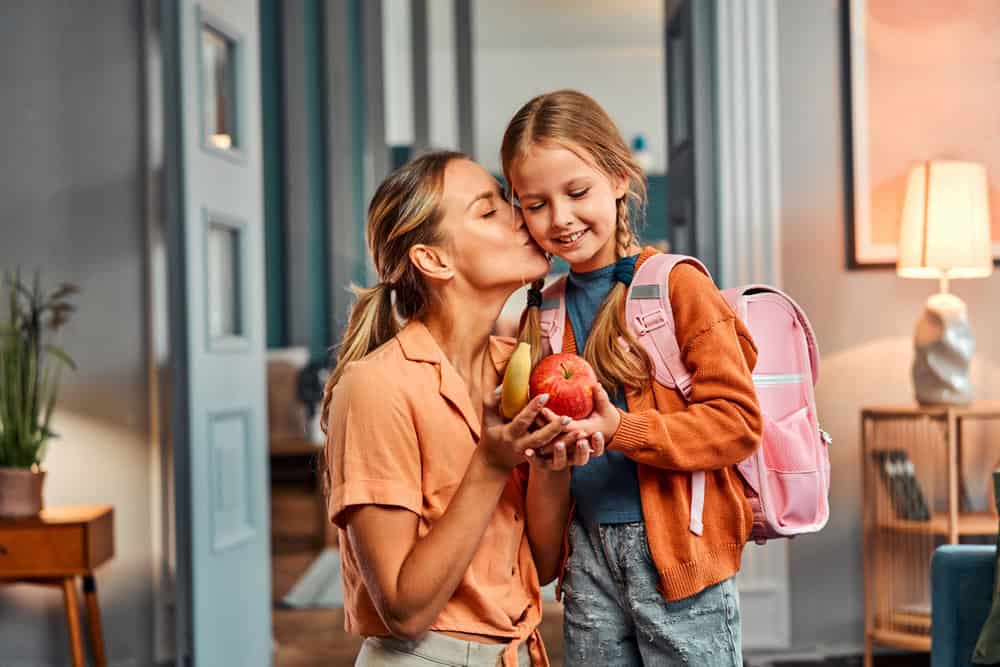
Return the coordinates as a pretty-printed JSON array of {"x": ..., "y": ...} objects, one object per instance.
[
  {"x": 56, "y": 547},
  {"x": 911, "y": 504}
]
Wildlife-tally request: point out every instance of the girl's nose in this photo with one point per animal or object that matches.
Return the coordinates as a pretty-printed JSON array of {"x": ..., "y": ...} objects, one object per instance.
[{"x": 560, "y": 215}]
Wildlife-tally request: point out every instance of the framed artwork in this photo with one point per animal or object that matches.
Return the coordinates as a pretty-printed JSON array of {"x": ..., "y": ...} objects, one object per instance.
[{"x": 923, "y": 84}]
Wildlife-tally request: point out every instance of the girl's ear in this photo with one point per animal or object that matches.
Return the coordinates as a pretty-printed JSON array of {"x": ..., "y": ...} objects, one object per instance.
[
  {"x": 431, "y": 261},
  {"x": 619, "y": 185}
]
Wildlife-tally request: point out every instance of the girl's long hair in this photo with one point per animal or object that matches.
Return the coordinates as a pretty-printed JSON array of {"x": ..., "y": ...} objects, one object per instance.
[{"x": 570, "y": 119}]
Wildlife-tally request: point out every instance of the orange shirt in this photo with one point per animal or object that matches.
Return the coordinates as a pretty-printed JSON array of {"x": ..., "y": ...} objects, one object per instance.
[
  {"x": 402, "y": 430},
  {"x": 668, "y": 438}
]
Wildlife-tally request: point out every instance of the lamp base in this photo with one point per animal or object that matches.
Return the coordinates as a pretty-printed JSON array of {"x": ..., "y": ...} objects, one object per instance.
[{"x": 943, "y": 345}]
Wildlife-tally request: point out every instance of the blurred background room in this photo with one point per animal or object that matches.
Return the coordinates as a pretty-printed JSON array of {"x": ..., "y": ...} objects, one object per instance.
[{"x": 199, "y": 172}]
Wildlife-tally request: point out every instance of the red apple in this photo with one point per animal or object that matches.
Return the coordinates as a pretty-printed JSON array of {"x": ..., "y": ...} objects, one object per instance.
[{"x": 569, "y": 381}]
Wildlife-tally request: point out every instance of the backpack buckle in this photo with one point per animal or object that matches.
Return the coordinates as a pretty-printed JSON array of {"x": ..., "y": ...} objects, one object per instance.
[{"x": 650, "y": 321}]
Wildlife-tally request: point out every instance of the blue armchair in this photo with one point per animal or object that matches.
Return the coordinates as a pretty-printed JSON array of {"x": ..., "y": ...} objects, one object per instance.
[{"x": 962, "y": 579}]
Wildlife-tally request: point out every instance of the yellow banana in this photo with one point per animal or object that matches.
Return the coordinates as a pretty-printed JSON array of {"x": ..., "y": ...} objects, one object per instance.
[{"x": 514, "y": 395}]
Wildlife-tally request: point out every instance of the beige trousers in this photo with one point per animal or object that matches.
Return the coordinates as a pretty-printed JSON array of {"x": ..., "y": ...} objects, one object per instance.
[{"x": 434, "y": 649}]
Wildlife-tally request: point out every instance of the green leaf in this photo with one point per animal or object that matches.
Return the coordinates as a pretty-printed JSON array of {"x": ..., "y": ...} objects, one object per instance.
[
  {"x": 53, "y": 389},
  {"x": 61, "y": 354}
]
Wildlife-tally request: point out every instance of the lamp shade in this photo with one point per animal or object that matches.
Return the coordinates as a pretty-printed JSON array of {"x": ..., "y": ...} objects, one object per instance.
[{"x": 945, "y": 230}]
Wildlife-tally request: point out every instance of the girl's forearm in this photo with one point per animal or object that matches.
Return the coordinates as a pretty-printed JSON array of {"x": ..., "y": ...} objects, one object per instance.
[{"x": 547, "y": 510}]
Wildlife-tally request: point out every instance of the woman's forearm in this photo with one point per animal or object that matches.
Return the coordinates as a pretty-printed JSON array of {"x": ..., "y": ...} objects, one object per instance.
[
  {"x": 547, "y": 510},
  {"x": 436, "y": 564}
]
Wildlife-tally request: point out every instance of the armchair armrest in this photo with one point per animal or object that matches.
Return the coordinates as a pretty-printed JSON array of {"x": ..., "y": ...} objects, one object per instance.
[{"x": 962, "y": 584}]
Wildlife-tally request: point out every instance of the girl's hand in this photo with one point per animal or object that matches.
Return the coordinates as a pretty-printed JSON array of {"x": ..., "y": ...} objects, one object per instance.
[
  {"x": 604, "y": 419},
  {"x": 560, "y": 456},
  {"x": 575, "y": 449},
  {"x": 505, "y": 445}
]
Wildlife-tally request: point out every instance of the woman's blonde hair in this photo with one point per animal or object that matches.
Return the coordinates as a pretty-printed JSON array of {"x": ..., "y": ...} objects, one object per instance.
[
  {"x": 405, "y": 211},
  {"x": 574, "y": 121}
]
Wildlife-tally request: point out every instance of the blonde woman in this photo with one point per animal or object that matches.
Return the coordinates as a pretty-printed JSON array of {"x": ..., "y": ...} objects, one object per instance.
[{"x": 449, "y": 521}]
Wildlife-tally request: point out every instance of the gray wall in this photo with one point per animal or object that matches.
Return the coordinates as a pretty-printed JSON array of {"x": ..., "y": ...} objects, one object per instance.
[
  {"x": 863, "y": 320},
  {"x": 71, "y": 205}
]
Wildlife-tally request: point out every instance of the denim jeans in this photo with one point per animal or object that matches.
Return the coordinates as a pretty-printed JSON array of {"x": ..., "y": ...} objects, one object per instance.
[{"x": 615, "y": 616}]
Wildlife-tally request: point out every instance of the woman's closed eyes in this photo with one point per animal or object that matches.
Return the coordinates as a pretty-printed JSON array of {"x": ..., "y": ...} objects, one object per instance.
[{"x": 503, "y": 196}]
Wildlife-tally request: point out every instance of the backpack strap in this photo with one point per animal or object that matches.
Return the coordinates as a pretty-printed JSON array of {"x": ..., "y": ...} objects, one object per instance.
[
  {"x": 553, "y": 316},
  {"x": 736, "y": 296},
  {"x": 651, "y": 318}
]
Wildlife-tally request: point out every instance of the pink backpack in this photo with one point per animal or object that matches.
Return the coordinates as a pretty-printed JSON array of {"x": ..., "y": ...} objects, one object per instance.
[{"x": 788, "y": 477}]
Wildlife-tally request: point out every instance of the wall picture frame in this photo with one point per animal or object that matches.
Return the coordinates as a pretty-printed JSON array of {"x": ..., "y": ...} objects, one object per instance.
[{"x": 921, "y": 84}]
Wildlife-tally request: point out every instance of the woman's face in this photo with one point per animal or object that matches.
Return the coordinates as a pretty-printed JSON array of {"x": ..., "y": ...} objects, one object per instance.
[{"x": 485, "y": 236}]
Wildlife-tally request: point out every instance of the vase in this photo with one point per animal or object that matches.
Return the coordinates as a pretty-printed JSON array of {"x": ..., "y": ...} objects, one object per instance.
[{"x": 20, "y": 492}]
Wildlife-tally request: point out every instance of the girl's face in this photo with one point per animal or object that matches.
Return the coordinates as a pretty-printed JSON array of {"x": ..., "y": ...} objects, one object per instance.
[
  {"x": 486, "y": 240},
  {"x": 569, "y": 205}
]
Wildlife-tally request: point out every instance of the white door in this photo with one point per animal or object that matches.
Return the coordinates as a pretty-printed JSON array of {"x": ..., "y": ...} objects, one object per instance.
[{"x": 215, "y": 218}]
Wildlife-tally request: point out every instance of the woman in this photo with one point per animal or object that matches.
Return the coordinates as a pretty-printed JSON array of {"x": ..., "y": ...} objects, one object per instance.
[{"x": 442, "y": 506}]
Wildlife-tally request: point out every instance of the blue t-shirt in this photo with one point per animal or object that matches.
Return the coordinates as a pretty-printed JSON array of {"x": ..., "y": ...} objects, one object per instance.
[{"x": 606, "y": 490}]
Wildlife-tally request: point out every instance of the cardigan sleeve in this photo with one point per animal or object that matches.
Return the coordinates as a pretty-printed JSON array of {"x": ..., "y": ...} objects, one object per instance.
[{"x": 721, "y": 424}]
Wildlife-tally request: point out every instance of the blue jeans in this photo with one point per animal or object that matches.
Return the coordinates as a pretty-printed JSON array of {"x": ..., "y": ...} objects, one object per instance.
[{"x": 615, "y": 616}]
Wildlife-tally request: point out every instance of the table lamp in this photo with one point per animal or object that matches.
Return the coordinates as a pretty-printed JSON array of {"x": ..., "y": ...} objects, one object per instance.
[{"x": 945, "y": 234}]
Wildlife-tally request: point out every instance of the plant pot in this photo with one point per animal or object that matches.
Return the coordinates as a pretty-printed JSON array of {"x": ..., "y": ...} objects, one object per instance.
[{"x": 20, "y": 492}]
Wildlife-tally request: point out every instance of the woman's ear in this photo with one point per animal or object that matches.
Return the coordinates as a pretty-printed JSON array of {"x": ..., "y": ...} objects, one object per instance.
[{"x": 431, "y": 261}]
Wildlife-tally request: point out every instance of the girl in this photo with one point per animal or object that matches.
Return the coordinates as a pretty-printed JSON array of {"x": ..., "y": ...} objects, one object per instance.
[
  {"x": 438, "y": 517},
  {"x": 639, "y": 586}
]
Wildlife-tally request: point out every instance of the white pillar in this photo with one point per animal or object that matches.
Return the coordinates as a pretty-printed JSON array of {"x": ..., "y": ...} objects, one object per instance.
[{"x": 749, "y": 150}]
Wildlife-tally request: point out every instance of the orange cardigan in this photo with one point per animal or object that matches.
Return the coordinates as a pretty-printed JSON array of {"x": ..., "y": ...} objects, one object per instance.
[{"x": 669, "y": 438}]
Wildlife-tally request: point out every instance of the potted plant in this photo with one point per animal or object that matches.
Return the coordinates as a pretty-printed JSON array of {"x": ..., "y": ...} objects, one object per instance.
[{"x": 30, "y": 367}]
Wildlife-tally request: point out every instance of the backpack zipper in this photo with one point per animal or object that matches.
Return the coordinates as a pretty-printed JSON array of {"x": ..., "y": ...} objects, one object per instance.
[
  {"x": 776, "y": 379},
  {"x": 771, "y": 379}
]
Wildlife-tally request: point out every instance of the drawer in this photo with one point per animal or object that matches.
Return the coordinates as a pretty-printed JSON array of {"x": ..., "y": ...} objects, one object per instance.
[{"x": 34, "y": 551}]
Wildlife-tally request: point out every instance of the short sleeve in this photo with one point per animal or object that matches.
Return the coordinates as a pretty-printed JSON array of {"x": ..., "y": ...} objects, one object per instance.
[{"x": 372, "y": 447}]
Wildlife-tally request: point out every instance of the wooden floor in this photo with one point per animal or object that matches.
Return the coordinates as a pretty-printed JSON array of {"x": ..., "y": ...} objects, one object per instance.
[
  {"x": 316, "y": 637},
  {"x": 311, "y": 637}
]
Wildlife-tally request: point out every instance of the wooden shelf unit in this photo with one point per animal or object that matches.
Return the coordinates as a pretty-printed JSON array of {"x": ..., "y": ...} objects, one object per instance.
[
  {"x": 900, "y": 533},
  {"x": 973, "y": 523}
]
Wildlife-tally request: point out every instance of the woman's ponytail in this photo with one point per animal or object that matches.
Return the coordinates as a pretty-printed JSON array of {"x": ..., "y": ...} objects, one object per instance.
[{"x": 372, "y": 322}]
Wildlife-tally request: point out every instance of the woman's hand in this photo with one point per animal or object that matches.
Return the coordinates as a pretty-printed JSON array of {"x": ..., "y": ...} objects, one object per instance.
[{"x": 505, "y": 445}]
